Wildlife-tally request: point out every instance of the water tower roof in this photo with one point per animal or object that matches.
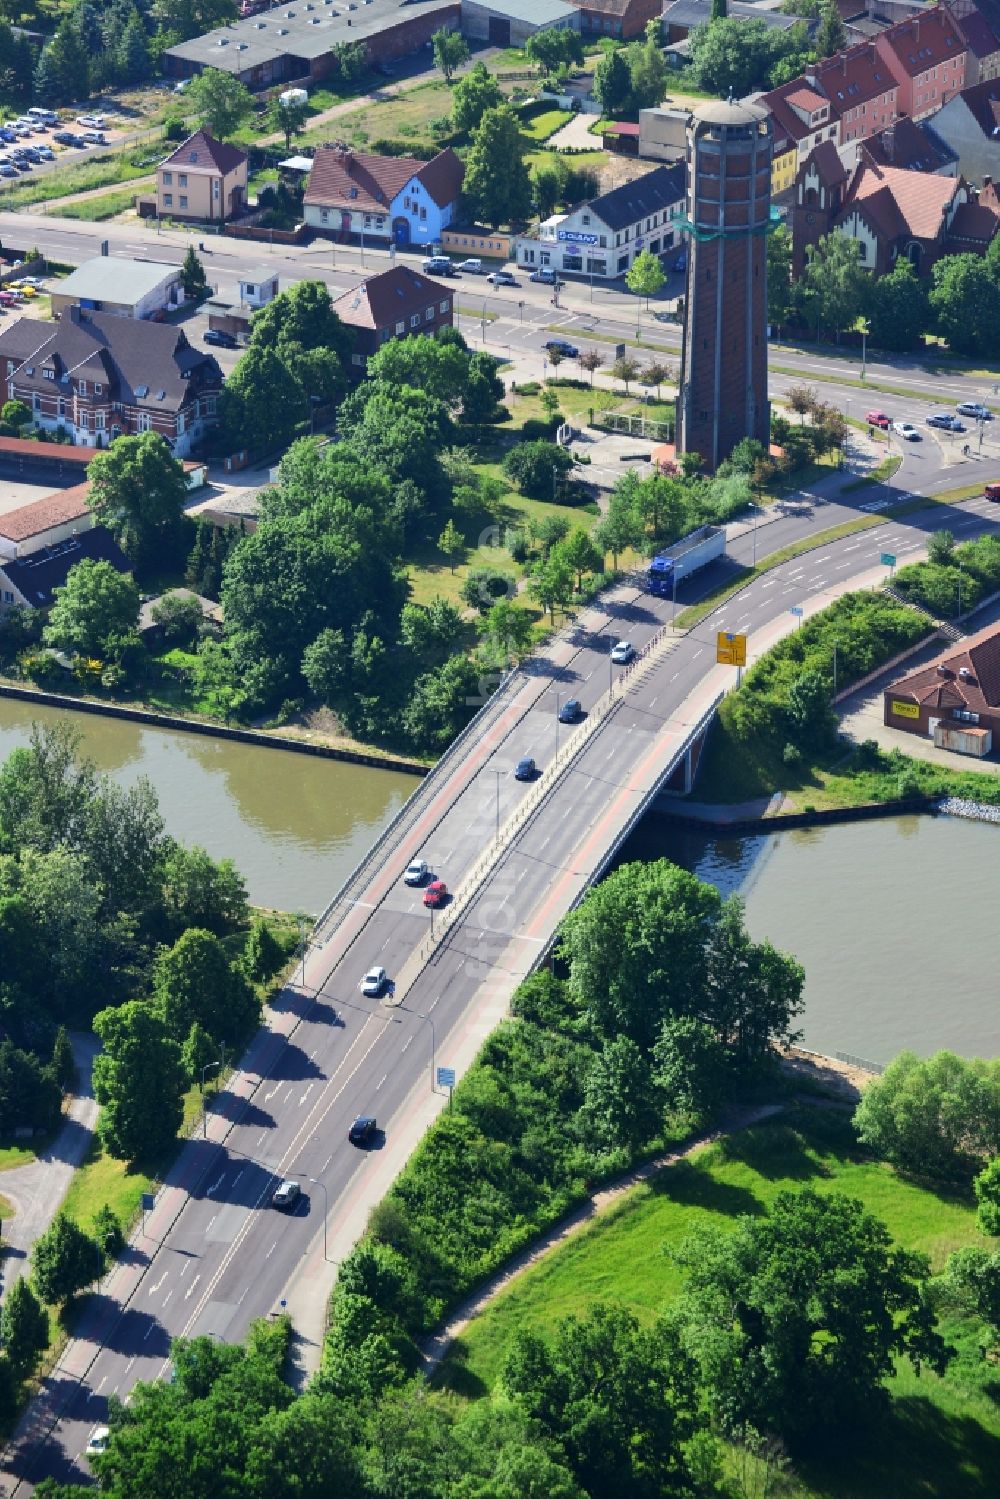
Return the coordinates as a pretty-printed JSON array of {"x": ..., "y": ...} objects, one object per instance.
[{"x": 727, "y": 112}]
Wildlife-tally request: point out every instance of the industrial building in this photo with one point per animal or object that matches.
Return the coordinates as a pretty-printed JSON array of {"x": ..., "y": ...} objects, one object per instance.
[
  {"x": 509, "y": 23},
  {"x": 954, "y": 700},
  {"x": 119, "y": 285}
]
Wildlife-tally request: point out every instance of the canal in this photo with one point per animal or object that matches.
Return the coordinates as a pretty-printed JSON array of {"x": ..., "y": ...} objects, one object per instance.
[
  {"x": 294, "y": 826},
  {"x": 894, "y": 922}
]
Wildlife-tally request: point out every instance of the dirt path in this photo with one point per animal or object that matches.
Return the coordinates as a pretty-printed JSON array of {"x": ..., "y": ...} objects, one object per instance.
[{"x": 435, "y": 1347}]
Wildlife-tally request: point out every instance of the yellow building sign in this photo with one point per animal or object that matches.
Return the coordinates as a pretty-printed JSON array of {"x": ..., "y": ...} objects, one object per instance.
[
  {"x": 730, "y": 650},
  {"x": 905, "y": 710}
]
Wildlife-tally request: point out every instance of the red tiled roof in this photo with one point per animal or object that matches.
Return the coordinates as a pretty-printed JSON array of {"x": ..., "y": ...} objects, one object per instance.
[
  {"x": 44, "y": 514},
  {"x": 201, "y": 151},
  {"x": 804, "y": 97},
  {"x": 342, "y": 178},
  {"x": 899, "y": 201},
  {"x": 620, "y": 127},
  {"x": 826, "y": 158},
  {"x": 974, "y": 224},
  {"x": 387, "y": 298},
  {"x": 23, "y": 447},
  {"x": 979, "y": 692},
  {"x": 854, "y": 76},
  {"x": 923, "y": 41},
  {"x": 442, "y": 177}
]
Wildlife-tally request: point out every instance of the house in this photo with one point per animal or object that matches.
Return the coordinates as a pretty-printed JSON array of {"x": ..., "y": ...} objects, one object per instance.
[
  {"x": 395, "y": 198},
  {"x": 980, "y": 30},
  {"x": 603, "y": 237},
  {"x": 970, "y": 126},
  {"x": 392, "y": 304},
  {"x": 680, "y": 17},
  {"x": 98, "y": 376},
  {"x": 229, "y": 314},
  {"x": 663, "y": 133},
  {"x": 624, "y": 19},
  {"x": 31, "y": 579},
  {"x": 955, "y": 699},
  {"x": 299, "y": 41},
  {"x": 45, "y": 522},
  {"x": 509, "y": 23},
  {"x": 801, "y": 119},
  {"x": 891, "y": 213},
  {"x": 905, "y": 143},
  {"x": 926, "y": 56},
  {"x": 118, "y": 285},
  {"x": 203, "y": 180}
]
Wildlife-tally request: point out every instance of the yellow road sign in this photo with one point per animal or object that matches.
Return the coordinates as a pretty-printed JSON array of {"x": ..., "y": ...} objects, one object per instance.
[{"x": 731, "y": 650}]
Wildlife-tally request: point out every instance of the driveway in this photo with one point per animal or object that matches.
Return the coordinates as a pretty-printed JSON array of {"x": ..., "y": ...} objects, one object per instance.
[{"x": 37, "y": 1191}]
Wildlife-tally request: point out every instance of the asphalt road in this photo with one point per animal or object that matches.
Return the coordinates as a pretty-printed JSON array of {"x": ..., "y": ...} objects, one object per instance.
[{"x": 230, "y": 1257}]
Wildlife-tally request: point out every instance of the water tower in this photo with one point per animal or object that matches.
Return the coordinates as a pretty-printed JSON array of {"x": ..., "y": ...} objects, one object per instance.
[{"x": 723, "y": 393}]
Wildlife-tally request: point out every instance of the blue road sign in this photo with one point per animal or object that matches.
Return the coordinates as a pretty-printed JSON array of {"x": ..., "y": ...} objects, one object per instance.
[
  {"x": 446, "y": 1077},
  {"x": 148, "y": 1202},
  {"x": 887, "y": 559},
  {"x": 795, "y": 609}
]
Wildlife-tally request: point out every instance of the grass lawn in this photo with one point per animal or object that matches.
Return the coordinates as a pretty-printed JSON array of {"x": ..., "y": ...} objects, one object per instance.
[
  {"x": 107, "y": 206},
  {"x": 543, "y": 125},
  {"x": 98, "y": 171},
  {"x": 943, "y": 1436},
  {"x": 407, "y": 115},
  {"x": 18, "y": 1153}
]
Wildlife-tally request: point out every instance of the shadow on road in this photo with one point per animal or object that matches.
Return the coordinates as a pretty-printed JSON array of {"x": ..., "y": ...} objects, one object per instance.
[
  {"x": 294, "y": 1066},
  {"x": 240, "y": 1111},
  {"x": 69, "y": 1145}
]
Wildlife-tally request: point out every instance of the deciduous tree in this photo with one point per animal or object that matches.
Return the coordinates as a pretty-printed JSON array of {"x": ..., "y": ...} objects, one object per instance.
[
  {"x": 220, "y": 100},
  {"x": 473, "y": 94},
  {"x": 63, "y": 1261},
  {"x": 450, "y": 50},
  {"x": 96, "y": 604},
  {"x": 289, "y": 117},
  {"x": 497, "y": 183},
  {"x": 138, "y": 490},
  {"x": 194, "y": 980},
  {"x": 24, "y": 1327},
  {"x": 138, "y": 1081}
]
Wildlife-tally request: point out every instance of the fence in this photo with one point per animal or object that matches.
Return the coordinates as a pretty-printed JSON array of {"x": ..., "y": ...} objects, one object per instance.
[
  {"x": 862, "y": 1062},
  {"x": 635, "y": 425}
]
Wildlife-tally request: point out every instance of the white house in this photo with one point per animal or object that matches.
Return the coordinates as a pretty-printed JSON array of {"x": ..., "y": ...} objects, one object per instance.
[{"x": 603, "y": 237}]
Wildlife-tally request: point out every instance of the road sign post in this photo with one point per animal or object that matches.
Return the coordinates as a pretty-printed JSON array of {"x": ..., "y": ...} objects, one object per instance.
[
  {"x": 446, "y": 1079},
  {"x": 797, "y": 610},
  {"x": 730, "y": 649},
  {"x": 888, "y": 559}
]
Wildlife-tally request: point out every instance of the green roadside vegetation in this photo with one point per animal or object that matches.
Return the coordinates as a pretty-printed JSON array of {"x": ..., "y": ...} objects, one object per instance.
[
  {"x": 885, "y": 470},
  {"x": 97, "y": 210},
  {"x": 97, "y": 171}
]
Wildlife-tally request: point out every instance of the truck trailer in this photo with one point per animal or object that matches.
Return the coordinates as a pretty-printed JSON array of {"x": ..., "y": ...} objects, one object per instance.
[{"x": 674, "y": 563}]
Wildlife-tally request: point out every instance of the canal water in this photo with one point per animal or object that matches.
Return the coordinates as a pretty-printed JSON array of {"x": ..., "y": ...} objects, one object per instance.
[
  {"x": 894, "y": 921},
  {"x": 294, "y": 826}
]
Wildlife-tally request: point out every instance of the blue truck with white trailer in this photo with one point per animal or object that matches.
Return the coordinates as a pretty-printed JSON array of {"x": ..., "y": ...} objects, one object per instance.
[{"x": 683, "y": 558}]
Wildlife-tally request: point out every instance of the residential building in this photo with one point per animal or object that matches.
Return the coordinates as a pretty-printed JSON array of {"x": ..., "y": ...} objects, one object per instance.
[
  {"x": 626, "y": 19},
  {"x": 298, "y": 42},
  {"x": 603, "y": 237},
  {"x": 204, "y": 180},
  {"x": 229, "y": 314},
  {"x": 905, "y": 143},
  {"x": 970, "y": 126},
  {"x": 979, "y": 24},
  {"x": 115, "y": 284},
  {"x": 892, "y": 213},
  {"x": 862, "y": 90},
  {"x": 45, "y": 522},
  {"x": 801, "y": 118},
  {"x": 926, "y": 55},
  {"x": 98, "y": 376},
  {"x": 393, "y": 304},
  {"x": 509, "y": 23},
  {"x": 955, "y": 699},
  {"x": 31, "y": 578},
  {"x": 395, "y": 198},
  {"x": 680, "y": 17},
  {"x": 723, "y": 385}
]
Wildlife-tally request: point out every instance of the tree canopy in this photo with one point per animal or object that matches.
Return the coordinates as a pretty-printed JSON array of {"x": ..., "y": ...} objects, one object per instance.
[{"x": 137, "y": 490}]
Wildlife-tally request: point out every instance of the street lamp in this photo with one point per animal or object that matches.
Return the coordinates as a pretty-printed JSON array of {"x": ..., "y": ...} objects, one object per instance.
[
  {"x": 208, "y": 1067},
  {"x": 497, "y": 773},
  {"x": 865, "y": 330},
  {"x": 326, "y": 1208}
]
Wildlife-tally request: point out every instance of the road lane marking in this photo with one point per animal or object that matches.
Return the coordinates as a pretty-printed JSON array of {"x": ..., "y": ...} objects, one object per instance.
[
  {"x": 307, "y": 1093},
  {"x": 381, "y": 1081},
  {"x": 191, "y": 1287},
  {"x": 406, "y": 1044},
  {"x": 166, "y": 1299}
]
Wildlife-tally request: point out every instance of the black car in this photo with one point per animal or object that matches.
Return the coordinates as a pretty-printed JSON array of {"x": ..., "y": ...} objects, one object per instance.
[
  {"x": 220, "y": 339},
  {"x": 570, "y": 710},
  {"x": 362, "y": 1131},
  {"x": 567, "y": 350},
  {"x": 64, "y": 137},
  {"x": 524, "y": 770}
]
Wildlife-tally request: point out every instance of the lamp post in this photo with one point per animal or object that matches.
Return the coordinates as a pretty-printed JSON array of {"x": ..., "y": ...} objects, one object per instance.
[
  {"x": 208, "y": 1067},
  {"x": 864, "y": 347},
  {"x": 497, "y": 774},
  {"x": 326, "y": 1206}
]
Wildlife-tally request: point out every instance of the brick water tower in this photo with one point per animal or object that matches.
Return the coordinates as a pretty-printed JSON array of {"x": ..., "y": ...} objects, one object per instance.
[{"x": 723, "y": 392}]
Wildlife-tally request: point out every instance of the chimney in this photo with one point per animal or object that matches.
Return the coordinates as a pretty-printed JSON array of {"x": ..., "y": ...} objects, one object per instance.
[
  {"x": 889, "y": 143},
  {"x": 74, "y": 313}
]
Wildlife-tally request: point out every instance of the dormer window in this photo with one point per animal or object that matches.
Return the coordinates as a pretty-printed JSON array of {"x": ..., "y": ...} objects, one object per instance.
[
  {"x": 48, "y": 374},
  {"x": 83, "y": 387}
]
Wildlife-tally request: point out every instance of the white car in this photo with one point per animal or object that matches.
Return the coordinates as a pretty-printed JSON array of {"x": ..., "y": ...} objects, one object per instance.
[
  {"x": 96, "y": 122},
  {"x": 907, "y": 431},
  {"x": 416, "y": 872},
  {"x": 286, "y": 1194},
  {"x": 622, "y": 653},
  {"x": 373, "y": 982},
  {"x": 98, "y": 1441}
]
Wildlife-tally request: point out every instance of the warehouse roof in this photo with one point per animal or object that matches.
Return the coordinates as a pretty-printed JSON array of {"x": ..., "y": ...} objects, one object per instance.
[
  {"x": 113, "y": 278},
  {"x": 540, "y": 13}
]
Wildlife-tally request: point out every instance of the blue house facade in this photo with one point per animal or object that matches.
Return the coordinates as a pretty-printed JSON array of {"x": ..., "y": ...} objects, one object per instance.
[{"x": 390, "y": 198}]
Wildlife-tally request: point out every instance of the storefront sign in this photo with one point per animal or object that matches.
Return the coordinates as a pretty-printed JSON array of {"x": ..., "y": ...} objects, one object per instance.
[
  {"x": 573, "y": 236},
  {"x": 905, "y": 710}
]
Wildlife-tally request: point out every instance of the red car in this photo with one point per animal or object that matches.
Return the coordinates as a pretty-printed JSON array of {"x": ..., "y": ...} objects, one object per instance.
[
  {"x": 436, "y": 893},
  {"x": 878, "y": 419}
]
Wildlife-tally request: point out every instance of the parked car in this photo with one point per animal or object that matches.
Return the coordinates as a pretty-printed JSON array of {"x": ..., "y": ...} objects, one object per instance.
[
  {"x": 473, "y": 266},
  {"x": 286, "y": 1194},
  {"x": 98, "y": 1443},
  {"x": 907, "y": 431},
  {"x": 992, "y": 492},
  {"x": 560, "y": 345},
  {"x": 525, "y": 769},
  {"x": 502, "y": 278},
  {"x": 946, "y": 420},
  {"x": 622, "y": 653},
  {"x": 374, "y": 982},
  {"x": 878, "y": 419},
  {"x": 975, "y": 409},
  {"x": 220, "y": 339},
  {"x": 546, "y": 275},
  {"x": 95, "y": 122},
  {"x": 8, "y": 169},
  {"x": 64, "y": 137},
  {"x": 362, "y": 1130},
  {"x": 94, "y": 138},
  {"x": 436, "y": 893},
  {"x": 46, "y": 153},
  {"x": 438, "y": 265},
  {"x": 570, "y": 710},
  {"x": 416, "y": 872}
]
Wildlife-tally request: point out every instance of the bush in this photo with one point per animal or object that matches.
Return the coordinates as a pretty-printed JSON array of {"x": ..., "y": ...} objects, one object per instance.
[
  {"x": 536, "y": 467},
  {"x": 934, "y": 1117}
]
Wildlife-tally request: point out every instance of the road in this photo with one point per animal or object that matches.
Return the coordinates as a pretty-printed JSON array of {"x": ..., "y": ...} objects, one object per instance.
[{"x": 216, "y": 1255}]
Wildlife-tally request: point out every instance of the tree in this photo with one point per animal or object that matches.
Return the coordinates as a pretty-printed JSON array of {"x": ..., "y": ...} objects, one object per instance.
[
  {"x": 734, "y": 55},
  {"x": 551, "y": 584},
  {"x": 197, "y": 890},
  {"x": 450, "y": 51},
  {"x": 965, "y": 300},
  {"x": 621, "y": 1401},
  {"x": 452, "y": 543},
  {"x": 779, "y": 275},
  {"x": 194, "y": 980},
  {"x": 289, "y": 117},
  {"x": 325, "y": 665},
  {"x": 613, "y": 84},
  {"x": 108, "y": 1232},
  {"x": 802, "y": 399},
  {"x": 193, "y": 278},
  {"x": 621, "y": 1106},
  {"x": 63, "y": 1261},
  {"x": 647, "y": 68},
  {"x": 831, "y": 33},
  {"x": 352, "y": 61},
  {"x": 898, "y": 309},
  {"x": 94, "y": 605},
  {"x": 554, "y": 48},
  {"x": 263, "y": 954},
  {"x": 690, "y": 1066},
  {"x": 497, "y": 183},
  {"x": 24, "y": 1328},
  {"x": 548, "y": 184},
  {"x": 473, "y": 95},
  {"x": 941, "y": 548},
  {"x": 138, "y": 1081},
  {"x": 811, "y": 718},
  {"x": 645, "y": 276},
  {"x": 987, "y": 1189},
  {"x": 536, "y": 467},
  {"x": 971, "y": 1281},
  {"x": 580, "y": 553},
  {"x": 261, "y": 403},
  {"x": 15, "y": 414},
  {"x": 138, "y": 490},
  {"x": 620, "y": 528},
  {"x": 220, "y": 101},
  {"x": 591, "y": 361},
  {"x": 424, "y": 363},
  {"x": 507, "y": 629},
  {"x": 198, "y": 1052},
  {"x": 484, "y": 585},
  {"x": 931, "y": 1115},
  {"x": 797, "y": 1318},
  {"x": 188, "y": 18},
  {"x": 655, "y": 373},
  {"x": 441, "y": 703},
  {"x": 134, "y": 62},
  {"x": 834, "y": 287},
  {"x": 625, "y": 369},
  {"x": 63, "y": 1062}
]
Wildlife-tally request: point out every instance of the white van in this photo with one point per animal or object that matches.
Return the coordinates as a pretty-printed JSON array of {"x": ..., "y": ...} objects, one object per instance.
[
  {"x": 43, "y": 116},
  {"x": 474, "y": 267}
]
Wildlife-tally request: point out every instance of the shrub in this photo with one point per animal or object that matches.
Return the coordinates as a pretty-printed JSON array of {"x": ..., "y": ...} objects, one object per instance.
[{"x": 932, "y": 1116}]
